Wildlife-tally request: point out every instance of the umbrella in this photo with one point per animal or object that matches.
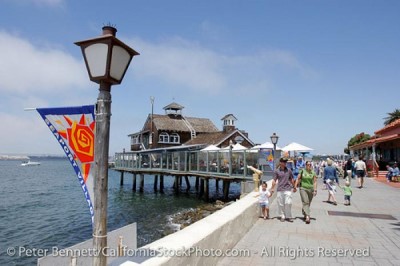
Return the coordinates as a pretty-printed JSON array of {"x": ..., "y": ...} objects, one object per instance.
[
  {"x": 296, "y": 147},
  {"x": 211, "y": 148},
  {"x": 236, "y": 147},
  {"x": 266, "y": 145}
]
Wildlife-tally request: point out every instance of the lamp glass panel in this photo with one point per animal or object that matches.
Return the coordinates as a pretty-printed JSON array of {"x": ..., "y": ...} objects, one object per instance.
[
  {"x": 119, "y": 62},
  {"x": 274, "y": 139},
  {"x": 96, "y": 56}
]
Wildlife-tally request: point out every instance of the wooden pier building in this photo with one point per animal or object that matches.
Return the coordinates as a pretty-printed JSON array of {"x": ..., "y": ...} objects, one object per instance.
[
  {"x": 170, "y": 145},
  {"x": 175, "y": 129}
]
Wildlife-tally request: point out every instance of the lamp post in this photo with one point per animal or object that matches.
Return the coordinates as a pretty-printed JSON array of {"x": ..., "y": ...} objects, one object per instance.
[
  {"x": 107, "y": 60},
  {"x": 274, "y": 140},
  {"x": 151, "y": 123}
]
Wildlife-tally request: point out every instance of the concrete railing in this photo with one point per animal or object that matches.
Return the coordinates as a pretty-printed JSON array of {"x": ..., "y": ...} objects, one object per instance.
[{"x": 204, "y": 242}]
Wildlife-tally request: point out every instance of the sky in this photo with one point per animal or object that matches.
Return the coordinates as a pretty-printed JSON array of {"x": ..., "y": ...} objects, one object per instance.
[{"x": 315, "y": 72}]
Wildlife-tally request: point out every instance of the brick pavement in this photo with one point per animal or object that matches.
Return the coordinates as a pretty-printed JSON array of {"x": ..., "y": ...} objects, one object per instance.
[{"x": 361, "y": 241}]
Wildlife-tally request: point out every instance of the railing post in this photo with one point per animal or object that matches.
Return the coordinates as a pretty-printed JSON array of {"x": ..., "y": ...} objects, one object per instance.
[
  {"x": 207, "y": 164},
  {"x": 166, "y": 166},
  {"x": 190, "y": 161},
  {"x": 198, "y": 162},
  {"x": 230, "y": 160},
  {"x": 244, "y": 164},
  {"x": 186, "y": 161}
]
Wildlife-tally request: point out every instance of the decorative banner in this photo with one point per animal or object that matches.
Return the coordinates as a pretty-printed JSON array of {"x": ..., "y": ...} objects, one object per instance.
[
  {"x": 73, "y": 127},
  {"x": 268, "y": 156}
]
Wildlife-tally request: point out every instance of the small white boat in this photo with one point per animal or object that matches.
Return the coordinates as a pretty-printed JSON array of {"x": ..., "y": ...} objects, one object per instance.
[{"x": 30, "y": 163}]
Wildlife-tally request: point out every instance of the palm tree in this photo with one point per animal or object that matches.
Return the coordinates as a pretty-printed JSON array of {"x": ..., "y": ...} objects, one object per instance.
[{"x": 393, "y": 116}]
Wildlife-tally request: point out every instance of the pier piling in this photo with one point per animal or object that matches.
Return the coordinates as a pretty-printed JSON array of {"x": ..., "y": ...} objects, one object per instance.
[
  {"x": 155, "y": 182},
  {"x": 207, "y": 190},
  {"x": 201, "y": 193},
  {"x": 187, "y": 183},
  {"x": 141, "y": 189},
  {"x": 225, "y": 185},
  {"x": 121, "y": 181},
  {"x": 176, "y": 184},
  {"x": 134, "y": 182},
  {"x": 161, "y": 183}
]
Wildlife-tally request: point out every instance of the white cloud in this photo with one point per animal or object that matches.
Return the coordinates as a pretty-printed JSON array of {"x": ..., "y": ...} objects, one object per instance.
[
  {"x": 189, "y": 65},
  {"x": 180, "y": 63},
  {"x": 27, "y": 68}
]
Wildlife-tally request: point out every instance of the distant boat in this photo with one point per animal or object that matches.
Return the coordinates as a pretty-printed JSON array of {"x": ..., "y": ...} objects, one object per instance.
[{"x": 29, "y": 163}]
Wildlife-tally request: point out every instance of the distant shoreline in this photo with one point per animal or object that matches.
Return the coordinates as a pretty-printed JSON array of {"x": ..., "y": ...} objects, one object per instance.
[{"x": 27, "y": 157}]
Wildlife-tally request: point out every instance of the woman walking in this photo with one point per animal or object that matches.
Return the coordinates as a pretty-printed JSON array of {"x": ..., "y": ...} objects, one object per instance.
[
  {"x": 330, "y": 177},
  {"x": 308, "y": 189}
]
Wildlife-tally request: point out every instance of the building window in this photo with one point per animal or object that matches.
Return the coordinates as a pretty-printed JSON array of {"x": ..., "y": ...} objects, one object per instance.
[
  {"x": 228, "y": 122},
  {"x": 135, "y": 140},
  {"x": 163, "y": 138},
  {"x": 174, "y": 138}
]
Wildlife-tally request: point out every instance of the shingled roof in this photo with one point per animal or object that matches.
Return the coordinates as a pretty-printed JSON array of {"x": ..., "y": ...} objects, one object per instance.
[
  {"x": 210, "y": 138},
  {"x": 216, "y": 138},
  {"x": 201, "y": 125}
]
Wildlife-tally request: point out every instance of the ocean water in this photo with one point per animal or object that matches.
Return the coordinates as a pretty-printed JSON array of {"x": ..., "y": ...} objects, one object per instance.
[{"x": 43, "y": 207}]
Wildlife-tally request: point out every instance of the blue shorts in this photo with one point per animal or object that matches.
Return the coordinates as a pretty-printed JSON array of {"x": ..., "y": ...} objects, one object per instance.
[{"x": 264, "y": 204}]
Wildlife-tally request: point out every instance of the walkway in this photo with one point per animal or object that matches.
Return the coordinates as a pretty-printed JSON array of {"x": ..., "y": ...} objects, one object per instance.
[{"x": 376, "y": 240}]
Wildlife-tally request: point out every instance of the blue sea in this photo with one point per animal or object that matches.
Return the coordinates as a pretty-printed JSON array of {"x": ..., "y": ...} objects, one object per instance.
[{"x": 43, "y": 207}]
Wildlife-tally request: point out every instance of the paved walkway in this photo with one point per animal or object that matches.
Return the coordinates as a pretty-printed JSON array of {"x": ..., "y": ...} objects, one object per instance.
[{"x": 356, "y": 240}]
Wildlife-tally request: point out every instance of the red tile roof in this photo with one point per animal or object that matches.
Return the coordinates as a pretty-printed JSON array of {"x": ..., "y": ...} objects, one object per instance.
[
  {"x": 392, "y": 125},
  {"x": 372, "y": 141}
]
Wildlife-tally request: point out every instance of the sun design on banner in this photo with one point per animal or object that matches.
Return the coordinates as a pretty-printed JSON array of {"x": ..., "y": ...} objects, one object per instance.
[
  {"x": 270, "y": 157},
  {"x": 80, "y": 137}
]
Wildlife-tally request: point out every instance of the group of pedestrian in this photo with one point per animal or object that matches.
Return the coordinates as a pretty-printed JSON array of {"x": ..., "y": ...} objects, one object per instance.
[
  {"x": 286, "y": 185},
  {"x": 306, "y": 181}
]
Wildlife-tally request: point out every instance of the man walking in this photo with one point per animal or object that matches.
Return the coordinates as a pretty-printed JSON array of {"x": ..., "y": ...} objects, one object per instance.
[
  {"x": 361, "y": 169},
  {"x": 285, "y": 179}
]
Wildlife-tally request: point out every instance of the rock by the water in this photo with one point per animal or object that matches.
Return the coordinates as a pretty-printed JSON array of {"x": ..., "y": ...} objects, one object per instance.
[{"x": 190, "y": 216}]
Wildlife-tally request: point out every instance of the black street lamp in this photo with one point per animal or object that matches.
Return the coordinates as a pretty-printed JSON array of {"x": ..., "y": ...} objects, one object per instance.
[
  {"x": 274, "y": 141},
  {"x": 107, "y": 60}
]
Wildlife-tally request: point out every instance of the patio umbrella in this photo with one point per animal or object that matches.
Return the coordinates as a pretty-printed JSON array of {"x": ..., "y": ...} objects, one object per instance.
[
  {"x": 211, "y": 148},
  {"x": 266, "y": 145},
  {"x": 296, "y": 147},
  {"x": 236, "y": 147}
]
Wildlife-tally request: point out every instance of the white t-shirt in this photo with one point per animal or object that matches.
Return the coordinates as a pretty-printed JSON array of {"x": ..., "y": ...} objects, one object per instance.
[
  {"x": 264, "y": 195},
  {"x": 360, "y": 165}
]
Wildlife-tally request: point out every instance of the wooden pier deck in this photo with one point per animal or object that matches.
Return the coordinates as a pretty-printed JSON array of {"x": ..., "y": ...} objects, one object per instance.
[{"x": 227, "y": 166}]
